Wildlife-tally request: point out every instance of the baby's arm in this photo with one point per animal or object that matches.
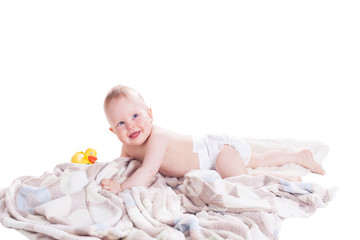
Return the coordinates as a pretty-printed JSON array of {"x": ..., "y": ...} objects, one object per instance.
[
  {"x": 155, "y": 151},
  {"x": 112, "y": 185}
]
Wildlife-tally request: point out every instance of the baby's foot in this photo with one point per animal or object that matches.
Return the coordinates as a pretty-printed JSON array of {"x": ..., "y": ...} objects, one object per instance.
[{"x": 307, "y": 161}]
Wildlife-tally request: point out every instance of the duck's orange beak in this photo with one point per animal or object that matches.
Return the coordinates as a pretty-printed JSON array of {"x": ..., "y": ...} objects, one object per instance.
[{"x": 92, "y": 159}]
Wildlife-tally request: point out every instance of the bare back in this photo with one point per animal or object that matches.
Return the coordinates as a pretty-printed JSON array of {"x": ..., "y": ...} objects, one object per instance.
[{"x": 179, "y": 157}]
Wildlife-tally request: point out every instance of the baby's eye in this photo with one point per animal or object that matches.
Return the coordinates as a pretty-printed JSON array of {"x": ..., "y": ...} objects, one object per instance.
[
  {"x": 121, "y": 123},
  {"x": 135, "y": 115}
]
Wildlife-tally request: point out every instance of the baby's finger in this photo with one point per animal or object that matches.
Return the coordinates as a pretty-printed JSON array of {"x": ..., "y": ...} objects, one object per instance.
[
  {"x": 105, "y": 181},
  {"x": 106, "y": 187}
]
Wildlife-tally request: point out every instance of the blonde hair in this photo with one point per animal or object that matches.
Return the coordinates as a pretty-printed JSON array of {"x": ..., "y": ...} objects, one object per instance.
[{"x": 120, "y": 91}]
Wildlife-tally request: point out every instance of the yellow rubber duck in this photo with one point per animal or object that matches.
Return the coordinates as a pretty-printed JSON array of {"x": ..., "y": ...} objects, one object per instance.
[{"x": 89, "y": 157}]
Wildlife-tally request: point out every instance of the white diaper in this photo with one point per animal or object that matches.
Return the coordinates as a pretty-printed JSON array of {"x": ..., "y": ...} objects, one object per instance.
[{"x": 208, "y": 148}]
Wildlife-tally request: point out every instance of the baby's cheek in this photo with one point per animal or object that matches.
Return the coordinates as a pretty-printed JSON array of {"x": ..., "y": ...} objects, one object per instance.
[{"x": 141, "y": 122}]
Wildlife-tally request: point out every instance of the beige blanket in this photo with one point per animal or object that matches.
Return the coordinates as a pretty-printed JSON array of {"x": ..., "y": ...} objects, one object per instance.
[{"x": 68, "y": 203}]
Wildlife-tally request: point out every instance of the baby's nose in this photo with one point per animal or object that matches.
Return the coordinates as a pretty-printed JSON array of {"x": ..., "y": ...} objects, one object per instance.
[{"x": 130, "y": 126}]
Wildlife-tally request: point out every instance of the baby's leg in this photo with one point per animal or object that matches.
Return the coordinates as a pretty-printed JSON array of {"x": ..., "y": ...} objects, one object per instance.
[
  {"x": 278, "y": 158},
  {"x": 229, "y": 162}
]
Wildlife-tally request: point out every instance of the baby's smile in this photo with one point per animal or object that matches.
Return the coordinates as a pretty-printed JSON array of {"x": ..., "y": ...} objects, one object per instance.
[{"x": 135, "y": 134}]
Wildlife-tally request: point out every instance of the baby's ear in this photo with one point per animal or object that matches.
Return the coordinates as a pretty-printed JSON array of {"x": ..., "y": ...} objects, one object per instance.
[
  {"x": 111, "y": 129},
  {"x": 149, "y": 112}
]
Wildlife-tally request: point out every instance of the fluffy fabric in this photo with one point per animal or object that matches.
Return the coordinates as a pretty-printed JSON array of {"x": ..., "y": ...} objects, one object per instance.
[{"x": 69, "y": 204}]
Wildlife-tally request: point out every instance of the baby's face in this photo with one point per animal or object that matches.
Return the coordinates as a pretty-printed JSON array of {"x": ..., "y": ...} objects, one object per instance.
[{"x": 130, "y": 119}]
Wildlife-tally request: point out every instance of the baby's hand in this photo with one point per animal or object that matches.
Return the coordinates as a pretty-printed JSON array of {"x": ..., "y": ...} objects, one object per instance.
[{"x": 111, "y": 186}]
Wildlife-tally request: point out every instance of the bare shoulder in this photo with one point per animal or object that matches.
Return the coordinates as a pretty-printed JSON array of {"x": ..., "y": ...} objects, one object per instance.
[
  {"x": 159, "y": 134},
  {"x": 159, "y": 130},
  {"x": 171, "y": 137}
]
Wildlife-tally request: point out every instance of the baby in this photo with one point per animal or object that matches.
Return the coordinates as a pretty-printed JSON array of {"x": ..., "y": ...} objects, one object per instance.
[{"x": 173, "y": 154}]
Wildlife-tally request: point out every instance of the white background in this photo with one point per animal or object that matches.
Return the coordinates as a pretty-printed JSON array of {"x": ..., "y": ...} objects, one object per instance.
[{"x": 265, "y": 69}]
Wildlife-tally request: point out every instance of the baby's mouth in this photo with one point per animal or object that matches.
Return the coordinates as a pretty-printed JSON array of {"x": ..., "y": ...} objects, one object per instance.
[{"x": 135, "y": 134}]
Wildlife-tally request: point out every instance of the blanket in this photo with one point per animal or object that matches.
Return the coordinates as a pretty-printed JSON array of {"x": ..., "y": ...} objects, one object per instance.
[{"x": 69, "y": 204}]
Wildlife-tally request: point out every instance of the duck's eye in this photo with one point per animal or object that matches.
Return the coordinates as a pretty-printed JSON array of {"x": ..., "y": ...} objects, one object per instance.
[{"x": 135, "y": 115}]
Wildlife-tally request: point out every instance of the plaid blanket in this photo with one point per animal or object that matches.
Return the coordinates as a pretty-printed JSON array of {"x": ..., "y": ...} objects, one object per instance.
[{"x": 68, "y": 203}]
